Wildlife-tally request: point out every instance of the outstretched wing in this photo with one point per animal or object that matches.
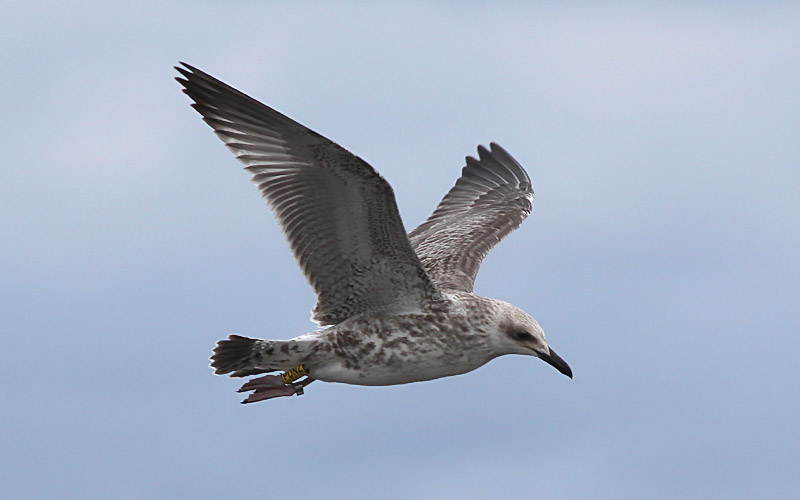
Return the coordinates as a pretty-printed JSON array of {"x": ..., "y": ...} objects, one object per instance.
[
  {"x": 490, "y": 199},
  {"x": 337, "y": 212}
]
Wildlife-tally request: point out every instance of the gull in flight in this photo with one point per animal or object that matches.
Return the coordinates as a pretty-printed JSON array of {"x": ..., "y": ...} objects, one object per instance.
[{"x": 392, "y": 308}]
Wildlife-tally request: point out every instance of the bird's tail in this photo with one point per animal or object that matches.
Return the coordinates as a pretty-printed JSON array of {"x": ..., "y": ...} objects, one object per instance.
[{"x": 243, "y": 356}]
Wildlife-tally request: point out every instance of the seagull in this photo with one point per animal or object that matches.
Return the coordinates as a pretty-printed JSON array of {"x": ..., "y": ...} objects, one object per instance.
[{"x": 392, "y": 308}]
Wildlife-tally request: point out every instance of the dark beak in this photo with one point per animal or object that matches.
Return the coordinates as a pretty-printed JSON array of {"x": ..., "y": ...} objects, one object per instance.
[{"x": 556, "y": 362}]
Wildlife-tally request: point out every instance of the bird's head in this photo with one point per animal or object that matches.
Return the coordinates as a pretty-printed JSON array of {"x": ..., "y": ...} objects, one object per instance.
[{"x": 520, "y": 333}]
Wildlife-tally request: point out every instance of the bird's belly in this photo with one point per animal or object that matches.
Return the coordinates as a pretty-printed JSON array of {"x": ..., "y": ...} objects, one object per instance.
[
  {"x": 394, "y": 372},
  {"x": 399, "y": 349}
]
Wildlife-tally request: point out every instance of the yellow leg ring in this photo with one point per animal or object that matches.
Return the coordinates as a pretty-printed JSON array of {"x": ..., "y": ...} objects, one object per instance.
[{"x": 295, "y": 373}]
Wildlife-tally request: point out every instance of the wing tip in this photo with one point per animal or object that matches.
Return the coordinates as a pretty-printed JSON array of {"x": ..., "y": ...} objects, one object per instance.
[{"x": 499, "y": 155}]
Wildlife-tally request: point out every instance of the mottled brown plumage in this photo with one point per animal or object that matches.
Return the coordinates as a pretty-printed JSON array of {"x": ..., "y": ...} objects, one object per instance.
[{"x": 393, "y": 308}]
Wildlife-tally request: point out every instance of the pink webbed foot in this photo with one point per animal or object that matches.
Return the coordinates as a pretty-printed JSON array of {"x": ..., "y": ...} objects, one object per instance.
[{"x": 272, "y": 386}]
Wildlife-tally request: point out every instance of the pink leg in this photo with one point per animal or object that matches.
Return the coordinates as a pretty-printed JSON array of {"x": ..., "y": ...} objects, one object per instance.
[{"x": 272, "y": 386}]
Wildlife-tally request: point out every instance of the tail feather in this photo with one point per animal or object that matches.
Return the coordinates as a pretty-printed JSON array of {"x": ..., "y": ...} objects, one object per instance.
[
  {"x": 237, "y": 354},
  {"x": 243, "y": 356}
]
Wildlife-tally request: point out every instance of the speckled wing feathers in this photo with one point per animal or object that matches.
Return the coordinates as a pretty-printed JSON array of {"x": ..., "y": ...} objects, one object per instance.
[
  {"x": 337, "y": 212},
  {"x": 490, "y": 199}
]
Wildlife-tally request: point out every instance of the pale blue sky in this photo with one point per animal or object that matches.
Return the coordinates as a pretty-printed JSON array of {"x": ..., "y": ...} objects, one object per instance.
[{"x": 661, "y": 256}]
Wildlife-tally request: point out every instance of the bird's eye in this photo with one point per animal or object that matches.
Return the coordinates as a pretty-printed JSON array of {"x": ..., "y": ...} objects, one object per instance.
[{"x": 522, "y": 335}]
